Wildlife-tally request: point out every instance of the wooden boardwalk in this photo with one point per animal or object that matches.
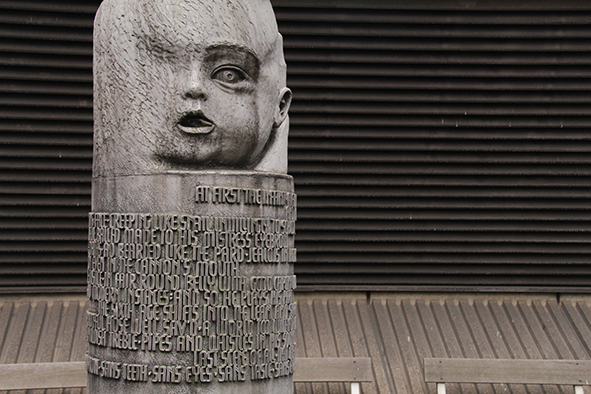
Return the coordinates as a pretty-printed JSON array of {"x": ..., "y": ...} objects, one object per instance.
[{"x": 396, "y": 330}]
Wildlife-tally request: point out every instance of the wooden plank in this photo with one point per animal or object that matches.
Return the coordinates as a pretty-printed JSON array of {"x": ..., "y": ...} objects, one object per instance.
[
  {"x": 73, "y": 374},
  {"x": 65, "y": 336},
  {"x": 406, "y": 346},
  {"x": 571, "y": 372},
  {"x": 477, "y": 329},
  {"x": 538, "y": 329},
  {"x": 300, "y": 388},
  {"x": 42, "y": 375},
  {"x": 467, "y": 348},
  {"x": 507, "y": 344},
  {"x": 524, "y": 331},
  {"x": 79, "y": 344},
  {"x": 340, "y": 369},
  {"x": 573, "y": 338},
  {"x": 553, "y": 330},
  {"x": 374, "y": 348},
  {"x": 327, "y": 340},
  {"x": 310, "y": 341},
  {"x": 32, "y": 333},
  {"x": 392, "y": 352},
  {"x": 15, "y": 332}
]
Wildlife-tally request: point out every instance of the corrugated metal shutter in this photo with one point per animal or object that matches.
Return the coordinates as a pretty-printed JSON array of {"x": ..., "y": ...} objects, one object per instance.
[
  {"x": 45, "y": 142},
  {"x": 440, "y": 149},
  {"x": 432, "y": 149}
]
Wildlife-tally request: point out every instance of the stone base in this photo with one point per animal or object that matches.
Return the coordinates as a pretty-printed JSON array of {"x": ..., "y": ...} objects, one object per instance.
[{"x": 191, "y": 283}]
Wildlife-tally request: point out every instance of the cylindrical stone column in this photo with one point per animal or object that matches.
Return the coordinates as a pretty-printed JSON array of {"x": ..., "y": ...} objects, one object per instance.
[{"x": 191, "y": 234}]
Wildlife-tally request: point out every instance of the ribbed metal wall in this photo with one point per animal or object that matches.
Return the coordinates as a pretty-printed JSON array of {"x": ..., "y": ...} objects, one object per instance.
[
  {"x": 431, "y": 148},
  {"x": 45, "y": 141},
  {"x": 440, "y": 148}
]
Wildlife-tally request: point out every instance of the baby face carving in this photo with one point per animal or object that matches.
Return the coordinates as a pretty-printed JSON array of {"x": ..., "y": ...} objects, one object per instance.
[{"x": 204, "y": 84}]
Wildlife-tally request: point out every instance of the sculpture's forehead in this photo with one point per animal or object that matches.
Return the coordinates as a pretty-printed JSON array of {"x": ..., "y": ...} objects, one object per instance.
[{"x": 189, "y": 23}]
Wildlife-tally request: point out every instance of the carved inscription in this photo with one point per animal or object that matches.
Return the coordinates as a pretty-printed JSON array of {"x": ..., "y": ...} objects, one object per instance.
[{"x": 174, "y": 283}]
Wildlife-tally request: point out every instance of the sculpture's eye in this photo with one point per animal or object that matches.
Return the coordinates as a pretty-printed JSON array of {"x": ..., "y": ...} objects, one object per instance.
[{"x": 229, "y": 75}]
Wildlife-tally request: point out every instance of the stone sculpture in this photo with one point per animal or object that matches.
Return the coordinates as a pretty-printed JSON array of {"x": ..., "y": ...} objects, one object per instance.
[
  {"x": 191, "y": 234},
  {"x": 189, "y": 85}
]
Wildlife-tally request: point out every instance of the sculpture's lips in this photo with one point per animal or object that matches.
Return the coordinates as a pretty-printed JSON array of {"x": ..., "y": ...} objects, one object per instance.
[{"x": 195, "y": 123}]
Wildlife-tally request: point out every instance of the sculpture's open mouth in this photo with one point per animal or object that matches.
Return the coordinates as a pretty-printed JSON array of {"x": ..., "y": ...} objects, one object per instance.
[{"x": 195, "y": 122}]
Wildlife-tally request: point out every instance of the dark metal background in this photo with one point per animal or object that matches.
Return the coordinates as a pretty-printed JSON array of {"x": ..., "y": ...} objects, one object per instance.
[
  {"x": 432, "y": 149},
  {"x": 45, "y": 142}
]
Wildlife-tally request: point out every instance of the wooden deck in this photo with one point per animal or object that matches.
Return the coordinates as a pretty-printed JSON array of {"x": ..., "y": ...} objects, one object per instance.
[{"x": 396, "y": 330}]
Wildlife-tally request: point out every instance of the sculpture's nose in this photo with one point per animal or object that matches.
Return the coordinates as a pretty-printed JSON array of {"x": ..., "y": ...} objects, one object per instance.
[{"x": 193, "y": 85}]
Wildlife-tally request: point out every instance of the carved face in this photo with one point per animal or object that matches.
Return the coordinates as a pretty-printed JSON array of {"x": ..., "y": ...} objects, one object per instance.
[{"x": 205, "y": 84}]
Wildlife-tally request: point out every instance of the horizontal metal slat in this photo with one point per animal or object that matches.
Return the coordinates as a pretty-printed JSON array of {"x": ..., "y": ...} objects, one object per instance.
[
  {"x": 436, "y": 5},
  {"x": 456, "y": 283},
  {"x": 437, "y": 57},
  {"x": 48, "y": 223},
  {"x": 437, "y": 30},
  {"x": 315, "y": 211},
  {"x": 50, "y": 47},
  {"x": 44, "y": 176},
  {"x": 63, "y": 88},
  {"x": 55, "y": 282},
  {"x": 44, "y": 246},
  {"x": 437, "y": 247},
  {"x": 451, "y": 146},
  {"x": 59, "y": 114},
  {"x": 52, "y": 101},
  {"x": 497, "y": 169},
  {"x": 442, "y": 181},
  {"x": 45, "y": 189},
  {"x": 326, "y": 79},
  {"x": 45, "y": 74},
  {"x": 50, "y": 203},
  {"x": 439, "y": 121},
  {"x": 45, "y": 18},
  {"x": 45, "y": 33},
  {"x": 568, "y": 278},
  {"x": 467, "y": 99},
  {"x": 316, "y": 260},
  {"x": 439, "y": 71},
  {"x": 74, "y": 6},
  {"x": 455, "y": 237},
  {"x": 443, "y": 269},
  {"x": 83, "y": 140},
  {"x": 394, "y": 132},
  {"x": 37, "y": 126},
  {"x": 55, "y": 235},
  {"x": 441, "y": 107},
  {"x": 548, "y": 227},
  {"x": 311, "y": 192},
  {"x": 533, "y": 17},
  {"x": 349, "y": 158},
  {"x": 53, "y": 61},
  {"x": 396, "y": 203},
  {"x": 431, "y": 44},
  {"x": 48, "y": 151},
  {"x": 45, "y": 269},
  {"x": 67, "y": 261},
  {"x": 47, "y": 165},
  {"x": 19, "y": 212}
]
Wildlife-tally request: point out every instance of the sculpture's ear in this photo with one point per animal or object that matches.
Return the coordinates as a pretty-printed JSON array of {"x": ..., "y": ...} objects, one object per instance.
[{"x": 283, "y": 108}]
